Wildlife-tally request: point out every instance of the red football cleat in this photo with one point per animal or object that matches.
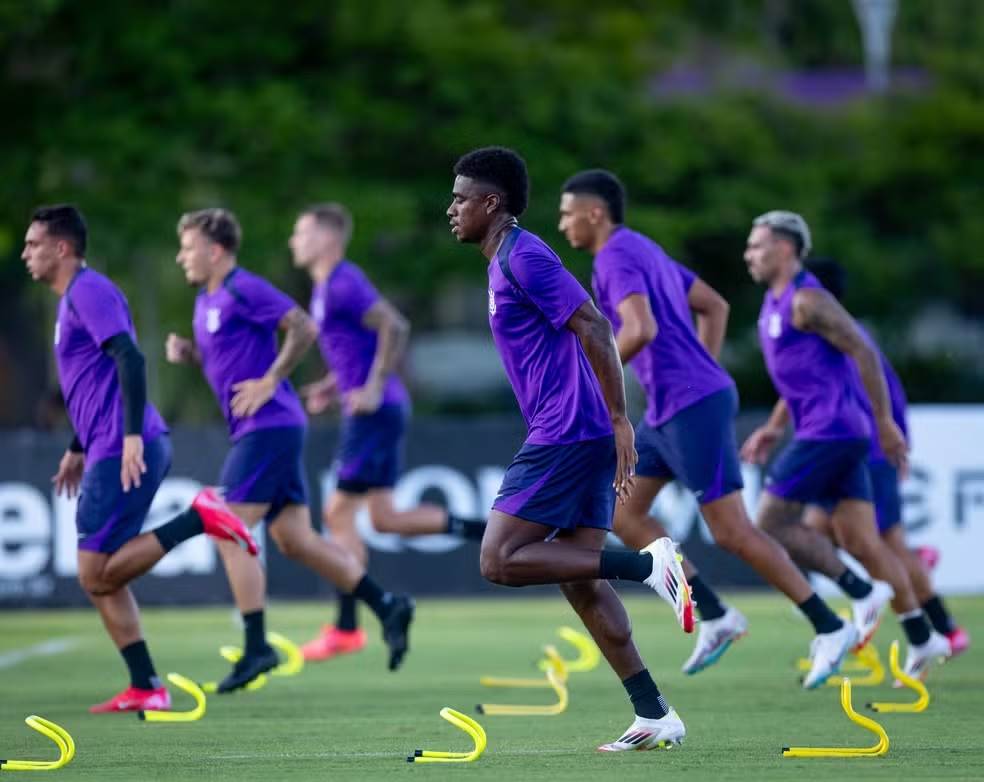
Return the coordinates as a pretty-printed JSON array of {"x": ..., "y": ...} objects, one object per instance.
[
  {"x": 333, "y": 642},
  {"x": 220, "y": 522},
  {"x": 929, "y": 556},
  {"x": 959, "y": 641},
  {"x": 133, "y": 699}
]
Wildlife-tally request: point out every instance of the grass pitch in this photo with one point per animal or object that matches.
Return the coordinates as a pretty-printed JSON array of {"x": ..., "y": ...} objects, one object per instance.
[{"x": 351, "y": 719}]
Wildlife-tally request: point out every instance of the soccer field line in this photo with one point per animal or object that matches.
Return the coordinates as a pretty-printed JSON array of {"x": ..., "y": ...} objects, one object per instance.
[
  {"x": 43, "y": 649},
  {"x": 357, "y": 755}
]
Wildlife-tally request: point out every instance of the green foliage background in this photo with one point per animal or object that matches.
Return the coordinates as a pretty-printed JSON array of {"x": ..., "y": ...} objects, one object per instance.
[{"x": 140, "y": 111}]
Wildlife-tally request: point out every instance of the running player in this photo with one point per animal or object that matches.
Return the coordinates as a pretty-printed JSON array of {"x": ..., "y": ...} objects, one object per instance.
[
  {"x": 121, "y": 450},
  {"x": 554, "y": 508},
  {"x": 885, "y": 484},
  {"x": 362, "y": 339},
  {"x": 687, "y": 433},
  {"x": 237, "y": 316},
  {"x": 811, "y": 346}
]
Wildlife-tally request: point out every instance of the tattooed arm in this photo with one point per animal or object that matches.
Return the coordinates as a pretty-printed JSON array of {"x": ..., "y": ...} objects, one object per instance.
[{"x": 816, "y": 311}]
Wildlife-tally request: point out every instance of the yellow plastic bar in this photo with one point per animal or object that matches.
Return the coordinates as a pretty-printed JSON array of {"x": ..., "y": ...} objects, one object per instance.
[
  {"x": 61, "y": 738},
  {"x": 878, "y": 749},
  {"x": 522, "y": 710},
  {"x": 914, "y": 707},
  {"x": 293, "y": 662},
  {"x": 469, "y": 726},
  {"x": 192, "y": 715}
]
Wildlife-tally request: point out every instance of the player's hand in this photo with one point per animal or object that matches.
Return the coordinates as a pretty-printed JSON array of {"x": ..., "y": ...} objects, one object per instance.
[
  {"x": 179, "y": 350},
  {"x": 894, "y": 446},
  {"x": 68, "y": 479},
  {"x": 132, "y": 466},
  {"x": 759, "y": 445},
  {"x": 365, "y": 400},
  {"x": 250, "y": 395},
  {"x": 626, "y": 458},
  {"x": 321, "y": 395}
]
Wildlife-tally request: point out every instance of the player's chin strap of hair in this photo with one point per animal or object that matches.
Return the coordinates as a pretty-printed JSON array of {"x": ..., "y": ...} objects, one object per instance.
[{"x": 133, "y": 380}]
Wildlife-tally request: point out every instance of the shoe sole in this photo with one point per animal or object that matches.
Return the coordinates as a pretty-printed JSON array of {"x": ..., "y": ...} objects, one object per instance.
[
  {"x": 716, "y": 655},
  {"x": 661, "y": 744}
]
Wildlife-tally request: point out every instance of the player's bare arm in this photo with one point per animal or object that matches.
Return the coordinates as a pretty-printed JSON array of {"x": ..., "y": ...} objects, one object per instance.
[
  {"x": 299, "y": 334},
  {"x": 760, "y": 443},
  {"x": 595, "y": 334},
  {"x": 712, "y": 313},
  {"x": 817, "y": 311},
  {"x": 181, "y": 350},
  {"x": 392, "y": 332},
  {"x": 638, "y": 327}
]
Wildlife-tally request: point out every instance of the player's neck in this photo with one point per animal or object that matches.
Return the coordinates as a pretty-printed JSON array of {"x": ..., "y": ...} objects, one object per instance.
[
  {"x": 322, "y": 268},
  {"x": 786, "y": 275},
  {"x": 501, "y": 226},
  {"x": 65, "y": 274},
  {"x": 605, "y": 232},
  {"x": 219, "y": 273}
]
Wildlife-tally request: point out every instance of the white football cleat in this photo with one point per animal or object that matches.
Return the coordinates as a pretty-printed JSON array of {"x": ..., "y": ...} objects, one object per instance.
[
  {"x": 714, "y": 636},
  {"x": 646, "y": 734},
  {"x": 669, "y": 582},
  {"x": 827, "y": 651},
  {"x": 919, "y": 658},
  {"x": 868, "y": 611}
]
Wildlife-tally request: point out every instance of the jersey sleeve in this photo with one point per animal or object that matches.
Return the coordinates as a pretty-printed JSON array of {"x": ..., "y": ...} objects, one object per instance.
[
  {"x": 260, "y": 302},
  {"x": 687, "y": 278},
  {"x": 619, "y": 276},
  {"x": 100, "y": 307},
  {"x": 548, "y": 285},
  {"x": 352, "y": 294}
]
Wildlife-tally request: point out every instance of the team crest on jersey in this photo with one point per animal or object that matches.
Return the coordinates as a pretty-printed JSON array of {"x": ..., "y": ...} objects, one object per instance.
[
  {"x": 491, "y": 301},
  {"x": 775, "y": 325},
  {"x": 213, "y": 319},
  {"x": 57, "y": 331}
]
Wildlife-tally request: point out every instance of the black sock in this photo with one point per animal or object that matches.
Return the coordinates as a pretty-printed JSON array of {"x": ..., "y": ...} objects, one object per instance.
[
  {"x": 708, "y": 605},
  {"x": 185, "y": 525},
  {"x": 347, "y": 620},
  {"x": 626, "y": 565},
  {"x": 916, "y": 627},
  {"x": 852, "y": 585},
  {"x": 255, "y": 626},
  {"x": 645, "y": 696},
  {"x": 469, "y": 529},
  {"x": 369, "y": 592},
  {"x": 141, "y": 667},
  {"x": 938, "y": 615},
  {"x": 821, "y": 617}
]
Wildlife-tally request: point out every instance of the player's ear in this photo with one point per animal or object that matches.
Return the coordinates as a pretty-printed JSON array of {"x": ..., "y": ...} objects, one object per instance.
[{"x": 492, "y": 202}]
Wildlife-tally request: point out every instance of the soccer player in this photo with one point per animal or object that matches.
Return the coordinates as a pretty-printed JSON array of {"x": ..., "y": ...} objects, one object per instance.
[
  {"x": 554, "y": 508},
  {"x": 121, "y": 450},
  {"x": 885, "y": 484},
  {"x": 362, "y": 339},
  {"x": 237, "y": 316},
  {"x": 687, "y": 433},
  {"x": 812, "y": 346}
]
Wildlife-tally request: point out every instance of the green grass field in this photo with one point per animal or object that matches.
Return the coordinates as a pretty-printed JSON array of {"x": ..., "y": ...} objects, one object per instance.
[{"x": 349, "y": 718}]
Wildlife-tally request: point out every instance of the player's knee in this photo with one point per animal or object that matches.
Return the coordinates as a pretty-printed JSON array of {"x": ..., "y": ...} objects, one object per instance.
[
  {"x": 732, "y": 538},
  {"x": 294, "y": 544},
  {"x": 492, "y": 564},
  {"x": 384, "y": 522},
  {"x": 94, "y": 584}
]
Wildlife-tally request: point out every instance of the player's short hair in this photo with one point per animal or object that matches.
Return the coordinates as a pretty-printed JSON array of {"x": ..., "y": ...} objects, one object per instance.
[
  {"x": 832, "y": 275},
  {"x": 64, "y": 221},
  {"x": 217, "y": 225},
  {"x": 334, "y": 216},
  {"x": 602, "y": 184},
  {"x": 788, "y": 225},
  {"x": 502, "y": 168}
]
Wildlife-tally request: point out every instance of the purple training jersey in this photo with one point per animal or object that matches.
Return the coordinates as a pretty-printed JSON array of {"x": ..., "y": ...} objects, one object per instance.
[
  {"x": 674, "y": 369},
  {"x": 92, "y": 311},
  {"x": 338, "y": 305},
  {"x": 808, "y": 372},
  {"x": 236, "y": 334},
  {"x": 531, "y": 298}
]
